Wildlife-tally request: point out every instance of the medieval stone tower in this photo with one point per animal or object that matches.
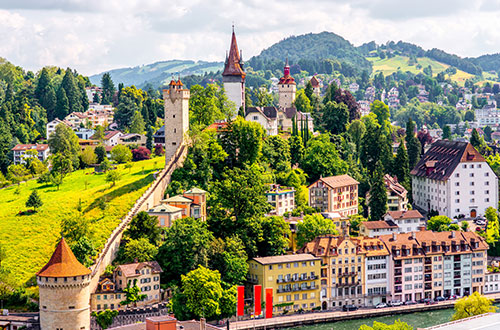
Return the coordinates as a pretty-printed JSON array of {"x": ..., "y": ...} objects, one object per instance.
[
  {"x": 286, "y": 88},
  {"x": 233, "y": 75},
  {"x": 64, "y": 292},
  {"x": 176, "y": 100}
]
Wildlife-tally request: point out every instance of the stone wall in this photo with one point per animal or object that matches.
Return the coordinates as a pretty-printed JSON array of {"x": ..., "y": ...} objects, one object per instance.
[
  {"x": 131, "y": 316},
  {"x": 152, "y": 196}
]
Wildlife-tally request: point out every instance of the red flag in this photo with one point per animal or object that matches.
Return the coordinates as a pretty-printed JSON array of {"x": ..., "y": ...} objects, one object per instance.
[
  {"x": 257, "y": 299},
  {"x": 241, "y": 301},
  {"x": 269, "y": 303}
]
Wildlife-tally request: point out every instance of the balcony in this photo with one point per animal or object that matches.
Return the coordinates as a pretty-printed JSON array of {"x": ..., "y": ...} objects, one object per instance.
[
  {"x": 338, "y": 285},
  {"x": 398, "y": 290},
  {"x": 456, "y": 268},
  {"x": 398, "y": 272},
  {"x": 428, "y": 269},
  {"x": 428, "y": 261},
  {"x": 397, "y": 263},
  {"x": 428, "y": 286},
  {"x": 428, "y": 277},
  {"x": 348, "y": 274}
]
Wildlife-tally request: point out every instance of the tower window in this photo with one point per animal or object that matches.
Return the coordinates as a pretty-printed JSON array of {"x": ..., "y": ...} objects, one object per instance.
[
  {"x": 174, "y": 143},
  {"x": 173, "y": 116},
  {"x": 175, "y": 130},
  {"x": 71, "y": 307}
]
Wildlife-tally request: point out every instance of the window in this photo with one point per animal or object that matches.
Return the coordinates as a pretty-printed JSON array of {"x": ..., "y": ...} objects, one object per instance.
[
  {"x": 471, "y": 183},
  {"x": 270, "y": 267},
  {"x": 487, "y": 174},
  {"x": 487, "y": 192}
]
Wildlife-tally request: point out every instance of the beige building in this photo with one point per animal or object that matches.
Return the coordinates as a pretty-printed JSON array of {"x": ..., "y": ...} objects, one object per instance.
[
  {"x": 293, "y": 278},
  {"x": 281, "y": 199},
  {"x": 397, "y": 195},
  {"x": 64, "y": 291},
  {"x": 133, "y": 139},
  {"x": 335, "y": 194},
  {"x": 166, "y": 214},
  {"x": 377, "y": 228},
  {"x": 176, "y": 100}
]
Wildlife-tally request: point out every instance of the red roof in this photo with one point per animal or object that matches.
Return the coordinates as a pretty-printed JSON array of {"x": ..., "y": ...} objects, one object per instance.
[
  {"x": 63, "y": 263},
  {"x": 314, "y": 82},
  {"x": 37, "y": 147},
  {"x": 233, "y": 66}
]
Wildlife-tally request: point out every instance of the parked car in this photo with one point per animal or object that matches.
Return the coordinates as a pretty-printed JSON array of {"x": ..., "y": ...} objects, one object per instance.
[
  {"x": 440, "y": 299},
  {"x": 381, "y": 305},
  {"x": 346, "y": 308},
  {"x": 424, "y": 300},
  {"x": 395, "y": 303},
  {"x": 480, "y": 223},
  {"x": 410, "y": 302},
  {"x": 431, "y": 302}
]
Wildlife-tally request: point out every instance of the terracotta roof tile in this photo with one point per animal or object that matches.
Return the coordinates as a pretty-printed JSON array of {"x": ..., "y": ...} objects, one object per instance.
[
  {"x": 398, "y": 215},
  {"x": 233, "y": 66},
  {"x": 338, "y": 181},
  {"x": 130, "y": 270},
  {"x": 285, "y": 258},
  {"x": 380, "y": 224},
  {"x": 63, "y": 263}
]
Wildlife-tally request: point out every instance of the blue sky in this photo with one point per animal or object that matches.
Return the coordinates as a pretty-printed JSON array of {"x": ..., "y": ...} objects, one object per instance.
[{"x": 97, "y": 35}]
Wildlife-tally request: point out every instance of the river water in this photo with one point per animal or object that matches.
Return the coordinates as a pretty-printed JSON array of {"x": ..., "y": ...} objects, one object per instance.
[{"x": 416, "y": 320}]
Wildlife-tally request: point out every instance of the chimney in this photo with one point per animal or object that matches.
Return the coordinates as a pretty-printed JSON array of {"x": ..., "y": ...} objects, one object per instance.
[
  {"x": 413, "y": 235},
  {"x": 393, "y": 236},
  {"x": 421, "y": 228},
  {"x": 452, "y": 234},
  {"x": 203, "y": 323}
]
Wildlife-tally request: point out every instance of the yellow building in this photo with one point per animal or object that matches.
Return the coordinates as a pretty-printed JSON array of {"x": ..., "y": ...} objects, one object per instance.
[{"x": 293, "y": 278}]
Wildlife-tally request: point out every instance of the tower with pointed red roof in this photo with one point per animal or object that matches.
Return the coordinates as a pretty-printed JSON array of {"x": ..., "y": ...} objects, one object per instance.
[
  {"x": 233, "y": 76},
  {"x": 64, "y": 286},
  {"x": 286, "y": 88},
  {"x": 176, "y": 104}
]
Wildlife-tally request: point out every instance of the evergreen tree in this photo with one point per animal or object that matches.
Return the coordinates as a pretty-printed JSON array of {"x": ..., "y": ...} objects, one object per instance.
[
  {"x": 412, "y": 144},
  {"x": 72, "y": 93},
  {"x": 401, "y": 168},
  {"x": 137, "y": 125},
  {"x": 62, "y": 108},
  {"x": 475, "y": 139},
  {"x": 296, "y": 149},
  {"x": 49, "y": 102},
  {"x": 309, "y": 91},
  {"x": 378, "y": 194},
  {"x": 446, "y": 132},
  {"x": 34, "y": 200},
  {"x": 149, "y": 140},
  {"x": 96, "y": 98},
  {"x": 108, "y": 88},
  {"x": 43, "y": 84}
]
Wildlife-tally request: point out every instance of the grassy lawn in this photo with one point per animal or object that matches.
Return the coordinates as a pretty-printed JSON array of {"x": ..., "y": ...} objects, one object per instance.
[
  {"x": 389, "y": 65},
  {"x": 29, "y": 240}
]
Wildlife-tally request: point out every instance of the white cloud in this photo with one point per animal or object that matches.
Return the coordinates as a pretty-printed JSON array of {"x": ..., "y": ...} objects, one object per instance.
[{"x": 96, "y": 35}]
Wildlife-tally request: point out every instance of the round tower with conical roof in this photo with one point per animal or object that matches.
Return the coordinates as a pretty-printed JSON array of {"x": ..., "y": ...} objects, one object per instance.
[{"x": 64, "y": 292}]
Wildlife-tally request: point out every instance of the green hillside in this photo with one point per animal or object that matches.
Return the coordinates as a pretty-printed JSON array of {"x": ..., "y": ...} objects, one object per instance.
[
  {"x": 29, "y": 240},
  {"x": 158, "y": 73},
  {"x": 389, "y": 65}
]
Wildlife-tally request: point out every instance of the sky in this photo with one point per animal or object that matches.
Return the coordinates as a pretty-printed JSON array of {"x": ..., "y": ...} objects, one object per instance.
[{"x": 97, "y": 35}]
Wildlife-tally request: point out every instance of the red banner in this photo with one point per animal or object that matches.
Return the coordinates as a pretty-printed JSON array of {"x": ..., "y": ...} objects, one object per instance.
[
  {"x": 269, "y": 303},
  {"x": 241, "y": 301},
  {"x": 257, "y": 299}
]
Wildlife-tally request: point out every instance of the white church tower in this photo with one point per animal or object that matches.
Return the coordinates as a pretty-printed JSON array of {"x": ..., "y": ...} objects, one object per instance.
[
  {"x": 233, "y": 75},
  {"x": 286, "y": 88},
  {"x": 176, "y": 100}
]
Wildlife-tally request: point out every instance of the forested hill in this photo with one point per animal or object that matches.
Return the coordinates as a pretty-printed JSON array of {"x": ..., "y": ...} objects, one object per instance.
[
  {"x": 158, "y": 73},
  {"x": 489, "y": 62},
  {"x": 313, "y": 47}
]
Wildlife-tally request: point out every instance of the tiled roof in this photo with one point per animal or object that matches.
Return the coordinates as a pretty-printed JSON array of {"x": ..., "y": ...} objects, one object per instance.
[
  {"x": 195, "y": 191},
  {"x": 232, "y": 66},
  {"x": 338, "y": 181},
  {"x": 322, "y": 246},
  {"x": 380, "y": 224},
  {"x": 370, "y": 246},
  {"x": 393, "y": 184},
  {"x": 177, "y": 199},
  {"x": 162, "y": 208},
  {"x": 287, "y": 80},
  {"x": 314, "y": 81},
  {"x": 63, "y": 263},
  {"x": 268, "y": 112},
  {"x": 398, "y": 215},
  {"x": 134, "y": 269},
  {"x": 285, "y": 258},
  {"x": 439, "y": 162},
  {"x": 38, "y": 147}
]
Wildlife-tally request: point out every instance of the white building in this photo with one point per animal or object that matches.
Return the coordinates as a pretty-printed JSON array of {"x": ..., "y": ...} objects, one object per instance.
[
  {"x": 84, "y": 133},
  {"x": 492, "y": 283},
  {"x": 454, "y": 179},
  {"x": 488, "y": 115},
  {"x": 377, "y": 228},
  {"x": 265, "y": 116},
  {"x": 364, "y": 107},
  {"x": 353, "y": 87},
  {"x": 51, "y": 126},
  {"x": 286, "y": 88},
  {"x": 233, "y": 76},
  {"x": 407, "y": 221},
  {"x": 376, "y": 271},
  {"x": 281, "y": 199},
  {"x": 19, "y": 152}
]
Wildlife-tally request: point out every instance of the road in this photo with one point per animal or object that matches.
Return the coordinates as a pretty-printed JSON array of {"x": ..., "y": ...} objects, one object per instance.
[{"x": 332, "y": 316}]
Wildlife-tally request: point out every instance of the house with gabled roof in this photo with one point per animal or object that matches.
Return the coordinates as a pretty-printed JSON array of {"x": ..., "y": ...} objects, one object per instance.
[
  {"x": 335, "y": 194},
  {"x": 455, "y": 180},
  {"x": 265, "y": 116}
]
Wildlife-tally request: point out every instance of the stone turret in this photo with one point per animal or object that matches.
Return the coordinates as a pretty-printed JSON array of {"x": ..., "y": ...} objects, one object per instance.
[
  {"x": 287, "y": 88},
  {"x": 64, "y": 291},
  {"x": 176, "y": 102}
]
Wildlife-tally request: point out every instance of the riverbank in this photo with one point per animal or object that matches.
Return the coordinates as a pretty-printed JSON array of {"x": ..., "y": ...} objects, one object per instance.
[{"x": 309, "y": 319}]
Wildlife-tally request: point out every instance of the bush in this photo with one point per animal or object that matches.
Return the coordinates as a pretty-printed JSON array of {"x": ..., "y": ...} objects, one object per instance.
[
  {"x": 121, "y": 154},
  {"x": 159, "y": 150},
  {"x": 141, "y": 153}
]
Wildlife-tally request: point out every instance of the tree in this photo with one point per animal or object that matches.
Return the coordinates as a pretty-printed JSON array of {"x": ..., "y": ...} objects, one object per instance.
[
  {"x": 296, "y": 149},
  {"x": 475, "y": 304},
  {"x": 335, "y": 117},
  {"x": 133, "y": 295},
  {"x": 378, "y": 195},
  {"x": 100, "y": 152},
  {"x": 413, "y": 144},
  {"x": 475, "y": 139},
  {"x": 263, "y": 98},
  {"x": 137, "y": 125},
  {"x": 242, "y": 141},
  {"x": 356, "y": 131},
  {"x": 105, "y": 165},
  {"x": 149, "y": 139},
  {"x": 447, "y": 132},
  {"x": 65, "y": 142},
  {"x": 312, "y": 226},
  {"x": 70, "y": 87},
  {"x": 105, "y": 317},
  {"x": 112, "y": 177},
  {"x": 99, "y": 133},
  {"x": 375, "y": 146},
  {"x": 277, "y": 151},
  {"x": 144, "y": 225},
  {"x": 96, "y": 98},
  {"x": 84, "y": 250},
  {"x": 186, "y": 245},
  {"x": 204, "y": 293},
  {"x": 401, "y": 166},
  {"x": 121, "y": 154},
  {"x": 206, "y": 105},
  {"x": 397, "y": 325},
  {"x": 138, "y": 249},
  {"x": 470, "y": 115},
  {"x": 275, "y": 233},
  {"x": 88, "y": 156},
  {"x": 43, "y": 83},
  {"x": 17, "y": 173},
  {"x": 302, "y": 102},
  {"x": 492, "y": 234},
  {"x": 141, "y": 153},
  {"x": 228, "y": 256},
  {"x": 62, "y": 104},
  {"x": 34, "y": 201},
  {"x": 108, "y": 88},
  {"x": 438, "y": 223},
  {"x": 322, "y": 159}
]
